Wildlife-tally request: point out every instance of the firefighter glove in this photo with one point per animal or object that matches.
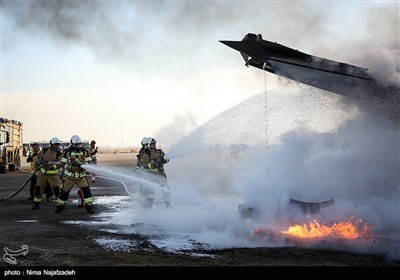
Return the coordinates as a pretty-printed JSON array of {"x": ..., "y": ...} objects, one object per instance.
[{"x": 76, "y": 167}]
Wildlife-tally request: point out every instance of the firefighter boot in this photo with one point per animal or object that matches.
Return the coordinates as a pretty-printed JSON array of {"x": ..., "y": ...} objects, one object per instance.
[
  {"x": 36, "y": 206},
  {"x": 89, "y": 209},
  {"x": 59, "y": 209}
]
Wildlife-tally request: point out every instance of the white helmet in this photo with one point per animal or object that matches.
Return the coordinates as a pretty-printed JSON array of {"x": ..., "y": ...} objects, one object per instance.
[
  {"x": 147, "y": 141},
  {"x": 76, "y": 140},
  {"x": 144, "y": 141},
  {"x": 55, "y": 140}
]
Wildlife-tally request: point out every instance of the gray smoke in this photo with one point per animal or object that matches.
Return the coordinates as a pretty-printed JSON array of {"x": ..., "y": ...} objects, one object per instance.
[
  {"x": 318, "y": 150},
  {"x": 161, "y": 35},
  {"x": 321, "y": 146}
]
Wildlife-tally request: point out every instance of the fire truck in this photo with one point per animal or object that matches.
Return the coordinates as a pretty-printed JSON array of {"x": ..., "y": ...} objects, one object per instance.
[{"x": 11, "y": 146}]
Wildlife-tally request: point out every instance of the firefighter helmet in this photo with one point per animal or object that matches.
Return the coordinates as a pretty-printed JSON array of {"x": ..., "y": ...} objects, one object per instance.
[
  {"x": 147, "y": 141},
  {"x": 54, "y": 141},
  {"x": 144, "y": 141},
  {"x": 76, "y": 140}
]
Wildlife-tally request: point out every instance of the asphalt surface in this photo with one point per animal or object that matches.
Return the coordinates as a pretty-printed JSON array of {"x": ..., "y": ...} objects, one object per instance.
[{"x": 54, "y": 241}]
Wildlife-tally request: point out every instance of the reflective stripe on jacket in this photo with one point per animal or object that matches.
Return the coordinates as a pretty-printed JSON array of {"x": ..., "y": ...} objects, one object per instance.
[
  {"x": 50, "y": 155},
  {"x": 73, "y": 157}
]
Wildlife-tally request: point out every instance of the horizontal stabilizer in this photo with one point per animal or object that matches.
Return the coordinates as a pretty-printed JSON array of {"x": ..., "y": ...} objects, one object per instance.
[{"x": 330, "y": 75}]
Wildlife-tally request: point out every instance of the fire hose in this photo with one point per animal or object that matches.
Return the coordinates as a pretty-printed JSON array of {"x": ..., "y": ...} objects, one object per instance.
[
  {"x": 26, "y": 182},
  {"x": 34, "y": 173},
  {"x": 126, "y": 188},
  {"x": 21, "y": 188},
  {"x": 19, "y": 167}
]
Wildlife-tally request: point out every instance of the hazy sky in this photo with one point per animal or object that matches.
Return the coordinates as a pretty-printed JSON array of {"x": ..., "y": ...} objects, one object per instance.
[{"x": 116, "y": 71}]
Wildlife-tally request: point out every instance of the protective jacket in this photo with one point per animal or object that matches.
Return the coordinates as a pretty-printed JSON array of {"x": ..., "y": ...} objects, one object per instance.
[
  {"x": 32, "y": 158},
  {"x": 72, "y": 159},
  {"x": 48, "y": 161},
  {"x": 93, "y": 151},
  {"x": 151, "y": 160}
]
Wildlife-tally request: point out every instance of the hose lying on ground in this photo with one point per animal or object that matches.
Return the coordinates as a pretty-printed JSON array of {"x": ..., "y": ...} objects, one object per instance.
[
  {"x": 20, "y": 168},
  {"x": 126, "y": 188},
  {"x": 20, "y": 189}
]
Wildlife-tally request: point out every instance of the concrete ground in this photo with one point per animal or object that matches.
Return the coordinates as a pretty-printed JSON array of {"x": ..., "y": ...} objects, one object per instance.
[{"x": 55, "y": 241}]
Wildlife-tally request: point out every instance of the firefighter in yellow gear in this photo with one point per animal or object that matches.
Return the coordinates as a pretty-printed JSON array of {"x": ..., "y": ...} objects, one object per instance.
[
  {"x": 32, "y": 158},
  {"x": 74, "y": 175},
  {"x": 150, "y": 165},
  {"x": 93, "y": 153},
  {"x": 48, "y": 165}
]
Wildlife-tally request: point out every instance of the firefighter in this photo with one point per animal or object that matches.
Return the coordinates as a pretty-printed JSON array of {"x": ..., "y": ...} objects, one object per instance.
[
  {"x": 93, "y": 153},
  {"x": 48, "y": 165},
  {"x": 32, "y": 158},
  {"x": 74, "y": 175},
  {"x": 150, "y": 164}
]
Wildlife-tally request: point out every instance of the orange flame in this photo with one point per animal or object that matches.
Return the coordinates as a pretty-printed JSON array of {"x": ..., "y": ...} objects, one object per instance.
[{"x": 344, "y": 230}]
